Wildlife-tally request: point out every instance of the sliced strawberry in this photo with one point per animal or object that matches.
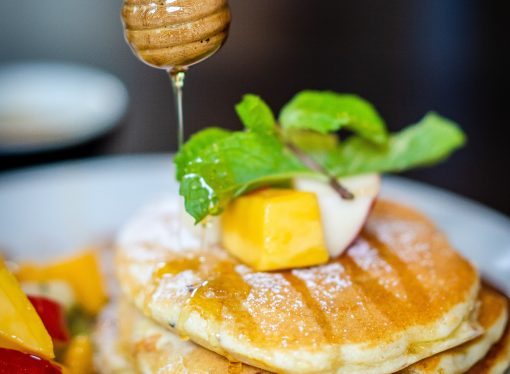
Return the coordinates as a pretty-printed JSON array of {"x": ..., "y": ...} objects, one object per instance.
[
  {"x": 15, "y": 362},
  {"x": 53, "y": 316}
]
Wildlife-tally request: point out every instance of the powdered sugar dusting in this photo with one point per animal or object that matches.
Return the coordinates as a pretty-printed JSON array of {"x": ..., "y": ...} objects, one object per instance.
[
  {"x": 329, "y": 279},
  {"x": 403, "y": 238},
  {"x": 272, "y": 292},
  {"x": 370, "y": 260},
  {"x": 158, "y": 225}
]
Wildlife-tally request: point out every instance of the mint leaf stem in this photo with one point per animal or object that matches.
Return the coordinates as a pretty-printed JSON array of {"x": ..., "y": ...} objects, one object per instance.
[{"x": 313, "y": 165}]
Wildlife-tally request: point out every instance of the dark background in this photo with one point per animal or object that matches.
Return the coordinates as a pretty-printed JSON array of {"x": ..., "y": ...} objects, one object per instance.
[{"x": 405, "y": 56}]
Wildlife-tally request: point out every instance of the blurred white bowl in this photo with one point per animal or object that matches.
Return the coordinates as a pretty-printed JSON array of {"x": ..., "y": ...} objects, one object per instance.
[{"x": 47, "y": 106}]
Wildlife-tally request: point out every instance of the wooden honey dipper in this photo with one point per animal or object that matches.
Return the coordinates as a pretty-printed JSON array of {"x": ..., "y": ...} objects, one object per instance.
[{"x": 175, "y": 34}]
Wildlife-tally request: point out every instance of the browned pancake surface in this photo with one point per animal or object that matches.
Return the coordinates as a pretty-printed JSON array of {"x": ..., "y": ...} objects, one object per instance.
[{"x": 400, "y": 274}]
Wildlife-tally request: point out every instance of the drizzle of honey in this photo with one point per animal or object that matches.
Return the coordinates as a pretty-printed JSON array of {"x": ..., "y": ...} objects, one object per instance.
[
  {"x": 177, "y": 266},
  {"x": 313, "y": 304},
  {"x": 223, "y": 294},
  {"x": 416, "y": 296},
  {"x": 173, "y": 267},
  {"x": 235, "y": 367},
  {"x": 220, "y": 297}
]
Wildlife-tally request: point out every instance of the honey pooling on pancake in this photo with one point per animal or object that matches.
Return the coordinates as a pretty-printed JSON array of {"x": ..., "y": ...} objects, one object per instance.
[{"x": 221, "y": 296}]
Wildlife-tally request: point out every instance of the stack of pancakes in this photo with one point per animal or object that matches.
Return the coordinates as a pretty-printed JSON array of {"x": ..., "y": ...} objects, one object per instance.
[{"x": 398, "y": 300}]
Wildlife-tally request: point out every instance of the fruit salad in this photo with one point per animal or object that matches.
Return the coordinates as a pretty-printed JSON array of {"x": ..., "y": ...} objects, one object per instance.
[{"x": 47, "y": 313}]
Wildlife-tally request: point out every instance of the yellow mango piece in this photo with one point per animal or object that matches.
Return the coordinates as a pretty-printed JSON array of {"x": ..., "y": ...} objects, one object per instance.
[
  {"x": 21, "y": 327},
  {"x": 274, "y": 229},
  {"x": 81, "y": 271},
  {"x": 78, "y": 357}
]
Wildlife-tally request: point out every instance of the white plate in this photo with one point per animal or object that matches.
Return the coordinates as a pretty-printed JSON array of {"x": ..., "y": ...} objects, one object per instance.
[
  {"x": 50, "y": 210},
  {"x": 46, "y": 106}
]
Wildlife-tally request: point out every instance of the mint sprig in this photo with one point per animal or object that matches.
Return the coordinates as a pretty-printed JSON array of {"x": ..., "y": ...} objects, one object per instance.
[
  {"x": 326, "y": 112},
  {"x": 195, "y": 146},
  {"x": 256, "y": 115},
  {"x": 215, "y": 166},
  {"x": 425, "y": 143}
]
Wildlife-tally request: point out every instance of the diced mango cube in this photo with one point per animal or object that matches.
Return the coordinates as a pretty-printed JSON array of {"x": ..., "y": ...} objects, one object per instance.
[
  {"x": 81, "y": 271},
  {"x": 78, "y": 357},
  {"x": 21, "y": 327},
  {"x": 274, "y": 229}
]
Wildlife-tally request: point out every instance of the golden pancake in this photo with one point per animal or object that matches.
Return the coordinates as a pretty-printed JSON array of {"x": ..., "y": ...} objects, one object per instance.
[
  {"x": 497, "y": 360},
  {"x": 110, "y": 356},
  {"x": 493, "y": 318},
  {"x": 153, "y": 349},
  {"x": 124, "y": 332},
  {"x": 399, "y": 294}
]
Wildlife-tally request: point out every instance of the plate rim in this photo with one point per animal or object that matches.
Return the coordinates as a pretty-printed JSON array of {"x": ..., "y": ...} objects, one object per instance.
[{"x": 25, "y": 172}]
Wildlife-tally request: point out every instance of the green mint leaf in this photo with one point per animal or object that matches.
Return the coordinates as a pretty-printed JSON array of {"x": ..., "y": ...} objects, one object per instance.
[
  {"x": 215, "y": 166},
  {"x": 325, "y": 112},
  {"x": 429, "y": 141},
  {"x": 316, "y": 145},
  {"x": 195, "y": 145},
  {"x": 232, "y": 166},
  {"x": 255, "y": 114}
]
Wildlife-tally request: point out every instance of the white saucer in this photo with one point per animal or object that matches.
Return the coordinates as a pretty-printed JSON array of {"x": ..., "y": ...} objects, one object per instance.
[
  {"x": 47, "y": 106},
  {"x": 50, "y": 210}
]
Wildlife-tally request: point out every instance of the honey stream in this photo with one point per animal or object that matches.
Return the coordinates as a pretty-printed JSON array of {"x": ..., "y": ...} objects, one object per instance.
[{"x": 173, "y": 35}]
